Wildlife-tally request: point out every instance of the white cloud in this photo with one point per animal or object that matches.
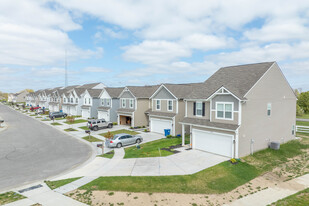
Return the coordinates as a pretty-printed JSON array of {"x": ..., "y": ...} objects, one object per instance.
[{"x": 96, "y": 69}]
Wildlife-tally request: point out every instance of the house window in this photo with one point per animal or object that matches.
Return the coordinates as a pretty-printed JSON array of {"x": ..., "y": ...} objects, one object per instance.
[
  {"x": 89, "y": 101},
  {"x": 224, "y": 111},
  {"x": 76, "y": 100},
  {"x": 85, "y": 101},
  {"x": 170, "y": 105},
  {"x": 199, "y": 109},
  {"x": 268, "y": 109},
  {"x": 123, "y": 102},
  {"x": 293, "y": 130},
  {"x": 71, "y": 100},
  {"x": 64, "y": 100},
  {"x": 131, "y": 103},
  {"x": 102, "y": 102},
  {"x": 158, "y": 104},
  {"x": 108, "y": 102}
]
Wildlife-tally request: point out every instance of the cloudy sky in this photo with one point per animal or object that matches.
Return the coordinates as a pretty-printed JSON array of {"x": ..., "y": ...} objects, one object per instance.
[{"x": 138, "y": 42}]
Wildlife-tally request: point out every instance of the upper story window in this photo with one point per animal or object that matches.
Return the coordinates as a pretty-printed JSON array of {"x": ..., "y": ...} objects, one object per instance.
[
  {"x": 64, "y": 99},
  {"x": 224, "y": 110},
  {"x": 199, "y": 109},
  {"x": 158, "y": 104},
  {"x": 89, "y": 101},
  {"x": 170, "y": 105},
  {"x": 108, "y": 102},
  {"x": 123, "y": 103},
  {"x": 102, "y": 102},
  {"x": 71, "y": 100},
  {"x": 268, "y": 109},
  {"x": 85, "y": 101},
  {"x": 76, "y": 100},
  {"x": 131, "y": 103}
]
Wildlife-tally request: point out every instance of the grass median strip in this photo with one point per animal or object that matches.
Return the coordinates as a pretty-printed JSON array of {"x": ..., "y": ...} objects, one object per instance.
[
  {"x": 120, "y": 131},
  {"x": 55, "y": 184},
  {"x": 151, "y": 149},
  {"x": 108, "y": 155},
  {"x": 9, "y": 197},
  {"x": 92, "y": 139},
  {"x": 70, "y": 130},
  {"x": 301, "y": 199},
  {"x": 55, "y": 123},
  {"x": 77, "y": 121},
  {"x": 302, "y": 123},
  {"x": 84, "y": 128}
]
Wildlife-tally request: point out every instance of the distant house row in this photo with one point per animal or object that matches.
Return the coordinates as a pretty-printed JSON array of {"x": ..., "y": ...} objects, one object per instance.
[
  {"x": 18, "y": 97},
  {"x": 236, "y": 111}
]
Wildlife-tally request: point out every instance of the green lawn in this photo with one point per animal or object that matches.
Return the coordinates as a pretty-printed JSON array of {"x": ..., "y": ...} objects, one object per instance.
[
  {"x": 302, "y": 123},
  {"x": 108, "y": 155},
  {"x": 32, "y": 115},
  {"x": 77, "y": 121},
  {"x": 8, "y": 197},
  {"x": 55, "y": 123},
  {"x": 55, "y": 184},
  {"x": 70, "y": 130},
  {"x": 92, "y": 139},
  {"x": 59, "y": 118},
  {"x": 84, "y": 128},
  {"x": 220, "y": 178},
  {"x": 121, "y": 131},
  {"x": 299, "y": 199},
  {"x": 46, "y": 119},
  {"x": 151, "y": 149},
  {"x": 304, "y": 116}
]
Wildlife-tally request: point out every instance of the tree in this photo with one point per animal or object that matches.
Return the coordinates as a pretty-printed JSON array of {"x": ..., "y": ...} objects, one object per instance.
[
  {"x": 303, "y": 101},
  {"x": 299, "y": 110}
]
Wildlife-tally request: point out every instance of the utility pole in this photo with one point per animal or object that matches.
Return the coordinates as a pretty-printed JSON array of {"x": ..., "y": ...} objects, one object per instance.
[{"x": 66, "y": 70}]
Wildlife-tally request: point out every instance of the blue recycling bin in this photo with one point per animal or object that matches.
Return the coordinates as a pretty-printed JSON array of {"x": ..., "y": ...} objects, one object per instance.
[{"x": 167, "y": 132}]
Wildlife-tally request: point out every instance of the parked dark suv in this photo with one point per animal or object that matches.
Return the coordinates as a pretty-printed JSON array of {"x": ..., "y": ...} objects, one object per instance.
[
  {"x": 95, "y": 124},
  {"x": 57, "y": 114}
]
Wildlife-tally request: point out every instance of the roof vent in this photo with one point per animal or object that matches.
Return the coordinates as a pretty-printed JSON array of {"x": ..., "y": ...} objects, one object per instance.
[{"x": 274, "y": 145}]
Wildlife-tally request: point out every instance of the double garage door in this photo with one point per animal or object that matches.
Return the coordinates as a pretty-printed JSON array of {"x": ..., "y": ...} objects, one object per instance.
[
  {"x": 86, "y": 113},
  {"x": 103, "y": 115},
  {"x": 216, "y": 143},
  {"x": 158, "y": 125}
]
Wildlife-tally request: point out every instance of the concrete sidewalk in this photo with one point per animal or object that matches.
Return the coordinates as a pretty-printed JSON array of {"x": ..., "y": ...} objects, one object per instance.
[{"x": 273, "y": 194}]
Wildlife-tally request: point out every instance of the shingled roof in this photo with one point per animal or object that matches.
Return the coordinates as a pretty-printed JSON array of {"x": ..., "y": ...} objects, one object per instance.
[
  {"x": 88, "y": 86},
  {"x": 237, "y": 79},
  {"x": 143, "y": 91},
  {"x": 114, "y": 92},
  {"x": 181, "y": 91},
  {"x": 94, "y": 93}
]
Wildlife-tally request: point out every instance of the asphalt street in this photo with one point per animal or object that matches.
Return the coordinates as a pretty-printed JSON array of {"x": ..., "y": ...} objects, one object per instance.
[{"x": 31, "y": 151}]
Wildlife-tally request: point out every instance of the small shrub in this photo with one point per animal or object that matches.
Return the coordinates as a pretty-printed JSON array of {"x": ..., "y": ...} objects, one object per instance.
[
  {"x": 70, "y": 119},
  {"x": 115, "y": 123},
  {"x": 109, "y": 135},
  {"x": 46, "y": 112},
  {"x": 169, "y": 136},
  {"x": 144, "y": 126},
  {"x": 131, "y": 128}
]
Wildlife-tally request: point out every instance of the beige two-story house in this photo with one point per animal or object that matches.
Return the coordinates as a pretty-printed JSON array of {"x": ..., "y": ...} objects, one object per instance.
[
  {"x": 134, "y": 102},
  {"x": 240, "y": 110}
]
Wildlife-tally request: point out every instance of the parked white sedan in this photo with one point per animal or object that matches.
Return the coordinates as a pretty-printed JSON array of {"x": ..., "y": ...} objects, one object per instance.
[{"x": 123, "y": 139}]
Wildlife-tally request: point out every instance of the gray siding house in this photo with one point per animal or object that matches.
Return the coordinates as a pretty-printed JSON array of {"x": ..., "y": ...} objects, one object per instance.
[{"x": 240, "y": 110}]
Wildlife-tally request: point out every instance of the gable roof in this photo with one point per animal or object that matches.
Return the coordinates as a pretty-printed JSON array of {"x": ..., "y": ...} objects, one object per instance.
[
  {"x": 114, "y": 92},
  {"x": 180, "y": 91},
  {"x": 88, "y": 86},
  {"x": 143, "y": 91},
  {"x": 94, "y": 93},
  {"x": 237, "y": 79}
]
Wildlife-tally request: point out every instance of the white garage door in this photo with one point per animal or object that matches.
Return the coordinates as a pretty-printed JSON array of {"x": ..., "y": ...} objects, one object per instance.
[
  {"x": 158, "y": 125},
  {"x": 85, "y": 113},
  {"x": 216, "y": 143},
  {"x": 104, "y": 115}
]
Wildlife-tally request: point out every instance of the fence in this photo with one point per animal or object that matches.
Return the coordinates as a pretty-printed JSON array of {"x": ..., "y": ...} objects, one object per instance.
[{"x": 304, "y": 129}]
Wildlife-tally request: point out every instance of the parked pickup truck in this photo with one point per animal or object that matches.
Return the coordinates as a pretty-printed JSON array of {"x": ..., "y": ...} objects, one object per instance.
[{"x": 95, "y": 124}]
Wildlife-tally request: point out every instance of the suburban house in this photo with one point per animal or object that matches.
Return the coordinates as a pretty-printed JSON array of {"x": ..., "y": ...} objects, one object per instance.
[
  {"x": 240, "y": 110},
  {"x": 56, "y": 100},
  {"x": 90, "y": 103},
  {"x": 18, "y": 97},
  {"x": 134, "y": 102},
  {"x": 109, "y": 103},
  {"x": 30, "y": 99},
  {"x": 168, "y": 107}
]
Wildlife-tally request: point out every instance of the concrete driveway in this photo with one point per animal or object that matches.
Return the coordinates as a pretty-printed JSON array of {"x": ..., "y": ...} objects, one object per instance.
[{"x": 32, "y": 151}]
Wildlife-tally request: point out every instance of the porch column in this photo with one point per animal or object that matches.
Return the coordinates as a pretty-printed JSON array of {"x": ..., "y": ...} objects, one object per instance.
[
  {"x": 183, "y": 134},
  {"x": 190, "y": 136}
]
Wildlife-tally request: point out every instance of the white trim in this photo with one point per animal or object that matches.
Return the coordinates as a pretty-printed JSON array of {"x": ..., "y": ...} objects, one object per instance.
[
  {"x": 162, "y": 85},
  {"x": 130, "y": 103},
  {"x": 173, "y": 125},
  {"x": 158, "y": 104},
  {"x": 124, "y": 90},
  {"x": 215, "y": 93},
  {"x": 236, "y": 143},
  {"x": 203, "y": 126},
  {"x": 177, "y": 108},
  {"x": 153, "y": 115},
  {"x": 224, "y": 103},
  {"x": 123, "y": 100},
  {"x": 183, "y": 135},
  {"x": 260, "y": 79},
  {"x": 168, "y": 105}
]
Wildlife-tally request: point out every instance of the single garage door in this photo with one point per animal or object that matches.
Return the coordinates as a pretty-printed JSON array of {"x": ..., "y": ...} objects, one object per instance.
[
  {"x": 85, "y": 113},
  {"x": 158, "y": 125},
  {"x": 103, "y": 115},
  {"x": 216, "y": 143}
]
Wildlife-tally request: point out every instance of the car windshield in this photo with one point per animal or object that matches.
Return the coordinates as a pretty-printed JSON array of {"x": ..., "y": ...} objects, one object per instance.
[{"x": 116, "y": 136}]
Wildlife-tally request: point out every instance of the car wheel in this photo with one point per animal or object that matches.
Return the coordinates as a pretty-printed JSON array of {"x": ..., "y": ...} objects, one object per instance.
[
  {"x": 138, "y": 141},
  {"x": 118, "y": 145},
  {"x": 110, "y": 126},
  {"x": 95, "y": 128}
]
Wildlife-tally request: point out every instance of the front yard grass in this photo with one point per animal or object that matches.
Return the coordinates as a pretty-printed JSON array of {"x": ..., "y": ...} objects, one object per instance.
[
  {"x": 70, "y": 130},
  {"x": 55, "y": 123},
  {"x": 59, "y": 118},
  {"x": 220, "y": 178},
  {"x": 300, "y": 199},
  {"x": 108, "y": 155},
  {"x": 84, "y": 128},
  {"x": 120, "y": 131},
  {"x": 92, "y": 139},
  {"x": 304, "y": 116},
  {"x": 55, "y": 184},
  {"x": 302, "y": 123},
  {"x": 151, "y": 149},
  {"x": 77, "y": 121},
  {"x": 8, "y": 197}
]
